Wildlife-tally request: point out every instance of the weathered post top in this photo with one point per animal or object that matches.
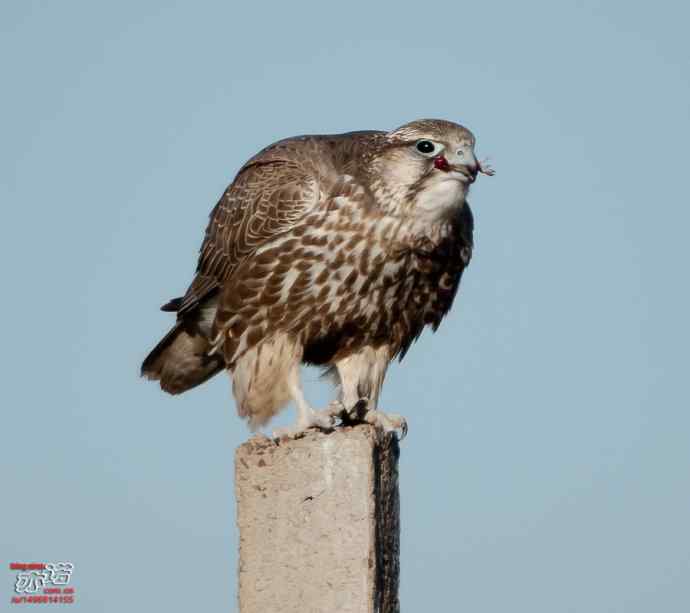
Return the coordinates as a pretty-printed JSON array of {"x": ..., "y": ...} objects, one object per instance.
[{"x": 319, "y": 523}]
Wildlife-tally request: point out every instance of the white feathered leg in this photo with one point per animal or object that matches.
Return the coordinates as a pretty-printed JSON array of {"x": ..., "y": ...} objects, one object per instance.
[
  {"x": 361, "y": 376},
  {"x": 307, "y": 417}
]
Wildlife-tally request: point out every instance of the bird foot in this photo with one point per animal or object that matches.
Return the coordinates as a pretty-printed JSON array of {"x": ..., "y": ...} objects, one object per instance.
[
  {"x": 388, "y": 422},
  {"x": 354, "y": 414},
  {"x": 317, "y": 420}
]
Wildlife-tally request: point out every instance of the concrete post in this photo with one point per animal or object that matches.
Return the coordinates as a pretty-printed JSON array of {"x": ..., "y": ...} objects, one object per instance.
[{"x": 319, "y": 523}]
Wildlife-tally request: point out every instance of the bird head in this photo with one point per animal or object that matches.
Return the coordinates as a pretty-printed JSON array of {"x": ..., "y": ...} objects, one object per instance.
[{"x": 429, "y": 164}]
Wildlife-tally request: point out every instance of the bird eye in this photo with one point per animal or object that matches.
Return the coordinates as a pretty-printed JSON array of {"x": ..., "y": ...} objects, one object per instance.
[{"x": 427, "y": 147}]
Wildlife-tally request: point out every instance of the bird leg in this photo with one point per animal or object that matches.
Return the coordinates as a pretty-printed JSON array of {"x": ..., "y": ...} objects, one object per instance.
[
  {"x": 307, "y": 417},
  {"x": 361, "y": 412},
  {"x": 361, "y": 377},
  {"x": 354, "y": 411}
]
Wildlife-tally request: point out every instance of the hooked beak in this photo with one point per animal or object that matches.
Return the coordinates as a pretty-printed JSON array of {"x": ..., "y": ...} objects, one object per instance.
[
  {"x": 464, "y": 163},
  {"x": 469, "y": 171},
  {"x": 461, "y": 162}
]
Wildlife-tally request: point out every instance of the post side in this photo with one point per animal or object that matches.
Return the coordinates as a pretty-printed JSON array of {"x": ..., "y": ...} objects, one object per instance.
[{"x": 319, "y": 522}]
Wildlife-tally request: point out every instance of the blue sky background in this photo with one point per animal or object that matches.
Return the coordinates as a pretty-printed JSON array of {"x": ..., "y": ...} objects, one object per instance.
[{"x": 548, "y": 462}]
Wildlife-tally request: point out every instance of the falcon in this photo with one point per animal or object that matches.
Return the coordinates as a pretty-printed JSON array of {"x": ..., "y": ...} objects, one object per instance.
[{"x": 328, "y": 250}]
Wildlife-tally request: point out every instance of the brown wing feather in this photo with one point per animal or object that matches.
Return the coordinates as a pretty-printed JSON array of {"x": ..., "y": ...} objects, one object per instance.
[{"x": 266, "y": 198}]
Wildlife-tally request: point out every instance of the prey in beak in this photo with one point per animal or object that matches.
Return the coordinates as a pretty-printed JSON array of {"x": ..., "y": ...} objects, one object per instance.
[{"x": 469, "y": 170}]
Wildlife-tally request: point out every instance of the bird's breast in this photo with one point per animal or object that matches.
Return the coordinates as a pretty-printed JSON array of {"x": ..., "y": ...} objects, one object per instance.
[{"x": 437, "y": 199}]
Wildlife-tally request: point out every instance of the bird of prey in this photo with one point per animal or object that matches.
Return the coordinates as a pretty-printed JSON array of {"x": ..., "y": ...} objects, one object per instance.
[{"x": 330, "y": 250}]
